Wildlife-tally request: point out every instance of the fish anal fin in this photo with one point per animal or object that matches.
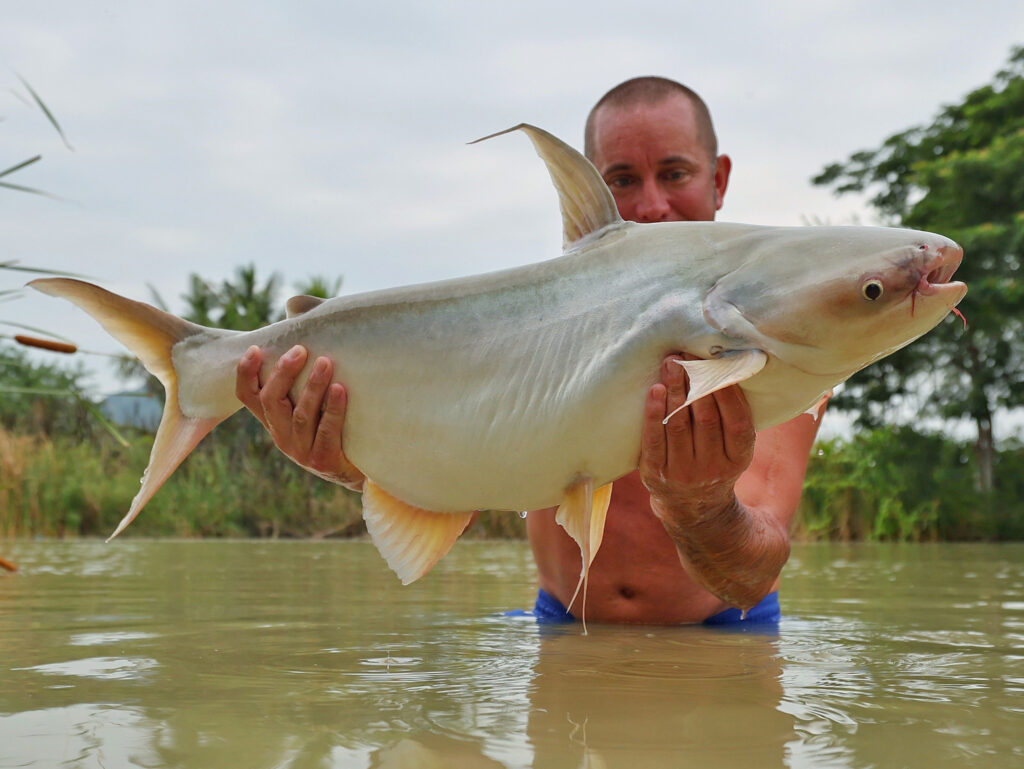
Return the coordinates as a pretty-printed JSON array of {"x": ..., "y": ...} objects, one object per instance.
[
  {"x": 582, "y": 514},
  {"x": 300, "y": 304},
  {"x": 587, "y": 203},
  {"x": 409, "y": 538},
  {"x": 708, "y": 376}
]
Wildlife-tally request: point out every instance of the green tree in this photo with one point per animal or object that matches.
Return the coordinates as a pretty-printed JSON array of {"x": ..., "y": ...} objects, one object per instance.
[
  {"x": 44, "y": 398},
  {"x": 961, "y": 175},
  {"x": 241, "y": 303}
]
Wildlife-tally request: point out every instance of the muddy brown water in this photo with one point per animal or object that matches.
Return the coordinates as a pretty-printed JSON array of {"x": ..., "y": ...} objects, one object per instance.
[{"x": 311, "y": 654}]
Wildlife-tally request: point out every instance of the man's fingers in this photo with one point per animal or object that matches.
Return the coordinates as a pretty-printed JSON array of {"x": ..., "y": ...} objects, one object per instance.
[
  {"x": 652, "y": 441},
  {"x": 274, "y": 395},
  {"x": 247, "y": 382},
  {"x": 678, "y": 431},
  {"x": 737, "y": 424},
  {"x": 327, "y": 454},
  {"x": 306, "y": 415},
  {"x": 708, "y": 444}
]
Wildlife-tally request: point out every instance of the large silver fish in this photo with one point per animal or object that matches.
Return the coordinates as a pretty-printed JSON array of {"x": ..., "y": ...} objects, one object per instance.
[{"x": 525, "y": 388}]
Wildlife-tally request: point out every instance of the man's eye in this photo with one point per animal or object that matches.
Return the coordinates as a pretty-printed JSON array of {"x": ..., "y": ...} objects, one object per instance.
[
  {"x": 676, "y": 175},
  {"x": 619, "y": 182}
]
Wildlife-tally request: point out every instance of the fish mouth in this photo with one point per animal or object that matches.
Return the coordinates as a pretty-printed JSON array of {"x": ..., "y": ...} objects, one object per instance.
[{"x": 936, "y": 274}]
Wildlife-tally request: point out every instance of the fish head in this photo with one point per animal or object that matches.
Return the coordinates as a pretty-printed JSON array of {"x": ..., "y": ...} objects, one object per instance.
[{"x": 832, "y": 300}]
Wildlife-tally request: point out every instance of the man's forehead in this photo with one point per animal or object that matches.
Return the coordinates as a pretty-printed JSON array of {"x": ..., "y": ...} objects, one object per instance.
[
  {"x": 671, "y": 119},
  {"x": 629, "y": 143},
  {"x": 675, "y": 110}
]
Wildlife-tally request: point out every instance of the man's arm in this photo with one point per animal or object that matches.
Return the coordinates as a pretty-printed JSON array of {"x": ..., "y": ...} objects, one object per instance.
[
  {"x": 310, "y": 432},
  {"x": 725, "y": 503}
]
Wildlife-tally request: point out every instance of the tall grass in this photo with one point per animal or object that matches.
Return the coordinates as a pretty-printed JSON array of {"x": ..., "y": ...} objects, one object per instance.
[
  {"x": 58, "y": 487},
  {"x": 63, "y": 488},
  {"x": 881, "y": 485}
]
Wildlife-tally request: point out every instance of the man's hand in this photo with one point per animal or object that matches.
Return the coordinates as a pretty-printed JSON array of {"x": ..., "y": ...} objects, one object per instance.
[
  {"x": 308, "y": 432},
  {"x": 691, "y": 465}
]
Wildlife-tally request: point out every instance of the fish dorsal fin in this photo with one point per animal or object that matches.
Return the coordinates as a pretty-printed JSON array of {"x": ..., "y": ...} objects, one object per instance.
[
  {"x": 582, "y": 514},
  {"x": 300, "y": 304},
  {"x": 411, "y": 540},
  {"x": 707, "y": 376},
  {"x": 587, "y": 203}
]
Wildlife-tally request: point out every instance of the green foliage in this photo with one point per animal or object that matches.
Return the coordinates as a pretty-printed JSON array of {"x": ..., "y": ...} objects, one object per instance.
[
  {"x": 902, "y": 485},
  {"x": 320, "y": 286},
  {"x": 63, "y": 487},
  {"x": 963, "y": 176},
  {"x": 44, "y": 398},
  {"x": 61, "y": 475},
  {"x": 241, "y": 304}
]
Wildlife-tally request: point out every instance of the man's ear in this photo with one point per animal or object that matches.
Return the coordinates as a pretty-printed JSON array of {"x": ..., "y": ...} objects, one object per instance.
[{"x": 723, "y": 165}]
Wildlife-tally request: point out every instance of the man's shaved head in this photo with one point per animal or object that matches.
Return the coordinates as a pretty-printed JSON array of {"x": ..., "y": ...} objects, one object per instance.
[{"x": 651, "y": 90}]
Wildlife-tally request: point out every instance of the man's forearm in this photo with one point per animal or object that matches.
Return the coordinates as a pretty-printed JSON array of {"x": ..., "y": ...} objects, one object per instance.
[{"x": 733, "y": 552}]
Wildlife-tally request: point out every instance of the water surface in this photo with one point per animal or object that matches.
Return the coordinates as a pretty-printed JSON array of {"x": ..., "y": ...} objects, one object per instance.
[{"x": 302, "y": 654}]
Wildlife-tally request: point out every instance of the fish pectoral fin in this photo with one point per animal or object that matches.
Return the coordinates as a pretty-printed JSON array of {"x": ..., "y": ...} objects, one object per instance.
[
  {"x": 582, "y": 515},
  {"x": 411, "y": 539},
  {"x": 587, "y": 203},
  {"x": 300, "y": 304},
  {"x": 815, "y": 411},
  {"x": 708, "y": 376}
]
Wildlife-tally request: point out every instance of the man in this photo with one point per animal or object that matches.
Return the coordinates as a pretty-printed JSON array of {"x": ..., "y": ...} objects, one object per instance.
[{"x": 702, "y": 526}]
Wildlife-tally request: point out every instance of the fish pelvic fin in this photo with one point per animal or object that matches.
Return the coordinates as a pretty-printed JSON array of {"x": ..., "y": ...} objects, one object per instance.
[
  {"x": 587, "y": 203},
  {"x": 708, "y": 376},
  {"x": 582, "y": 515},
  {"x": 409, "y": 538},
  {"x": 151, "y": 334}
]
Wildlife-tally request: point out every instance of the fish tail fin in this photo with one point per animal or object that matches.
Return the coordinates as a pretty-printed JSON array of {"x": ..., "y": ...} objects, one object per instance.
[{"x": 150, "y": 334}]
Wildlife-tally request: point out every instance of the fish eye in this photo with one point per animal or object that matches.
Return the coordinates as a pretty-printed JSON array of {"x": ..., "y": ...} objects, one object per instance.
[{"x": 872, "y": 289}]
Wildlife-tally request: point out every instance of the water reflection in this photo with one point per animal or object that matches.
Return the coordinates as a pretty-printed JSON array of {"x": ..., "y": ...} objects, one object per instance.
[
  {"x": 311, "y": 655},
  {"x": 661, "y": 693}
]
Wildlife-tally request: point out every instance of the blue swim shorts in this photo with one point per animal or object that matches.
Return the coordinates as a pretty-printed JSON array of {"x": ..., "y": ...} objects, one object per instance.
[{"x": 550, "y": 609}]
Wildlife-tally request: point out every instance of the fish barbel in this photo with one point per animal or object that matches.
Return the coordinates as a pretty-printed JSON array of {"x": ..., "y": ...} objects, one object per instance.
[{"x": 524, "y": 389}]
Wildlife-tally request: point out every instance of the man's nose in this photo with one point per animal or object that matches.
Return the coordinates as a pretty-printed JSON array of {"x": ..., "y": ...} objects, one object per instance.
[{"x": 652, "y": 204}]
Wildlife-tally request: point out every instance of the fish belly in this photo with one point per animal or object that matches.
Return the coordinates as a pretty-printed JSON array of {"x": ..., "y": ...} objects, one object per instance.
[{"x": 500, "y": 423}]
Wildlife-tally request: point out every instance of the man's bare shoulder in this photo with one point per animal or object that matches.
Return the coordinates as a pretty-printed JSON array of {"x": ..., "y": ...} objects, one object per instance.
[{"x": 775, "y": 478}]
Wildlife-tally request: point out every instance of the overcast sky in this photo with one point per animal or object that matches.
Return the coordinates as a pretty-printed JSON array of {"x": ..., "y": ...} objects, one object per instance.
[{"x": 330, "y": 138}]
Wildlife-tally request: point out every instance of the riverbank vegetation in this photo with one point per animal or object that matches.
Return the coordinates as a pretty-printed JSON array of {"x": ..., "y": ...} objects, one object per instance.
[{"x": 880, "y": 485}]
